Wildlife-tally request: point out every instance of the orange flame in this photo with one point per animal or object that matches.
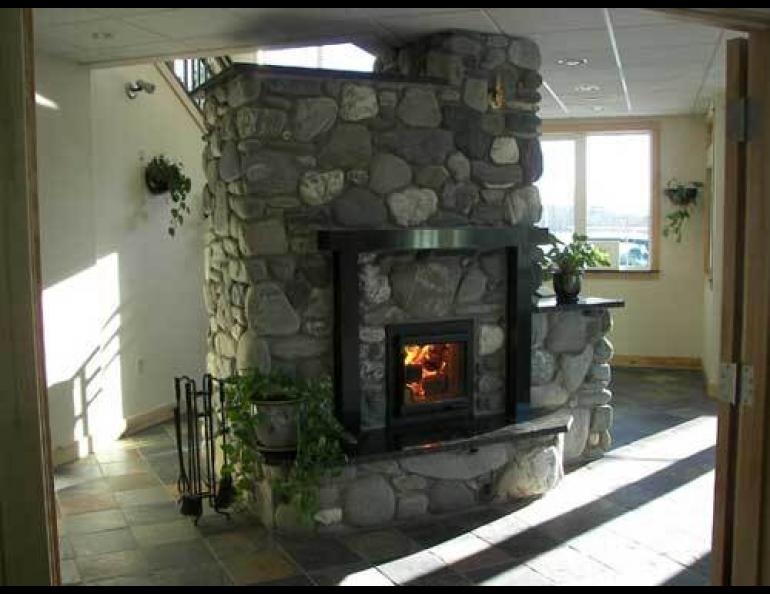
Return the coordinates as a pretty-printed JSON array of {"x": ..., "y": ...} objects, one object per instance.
[{"x": 434, "y": 362}]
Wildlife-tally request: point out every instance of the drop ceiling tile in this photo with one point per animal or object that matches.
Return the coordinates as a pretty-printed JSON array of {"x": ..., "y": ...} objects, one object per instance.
[
  {"x": 533, "y": 21},
  {"x": 677, "y": 35},
  {"x": 82, "y": 35},
  {"x": 637, "y": 17},
  {"x": 191, "y": 23},
  {"x": 420, "y": 24},
  {"x": 49, "y": 17}
]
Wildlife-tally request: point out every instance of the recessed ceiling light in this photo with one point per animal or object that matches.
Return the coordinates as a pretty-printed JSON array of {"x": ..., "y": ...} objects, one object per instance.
[
  {"x": 598, "y": 108},
  {"x": 102, "y": 35},
  {"x": 572, "y": 62},
  {"x": 587, "y": 88}
]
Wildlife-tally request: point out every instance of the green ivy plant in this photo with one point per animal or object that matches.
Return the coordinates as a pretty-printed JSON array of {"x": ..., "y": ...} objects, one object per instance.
[
  {"x": 574, "y": 257},
  {"x": 684, "y": 197},
  {"x": 165, "y": 176},
  {"x": 319, "y": 448}
]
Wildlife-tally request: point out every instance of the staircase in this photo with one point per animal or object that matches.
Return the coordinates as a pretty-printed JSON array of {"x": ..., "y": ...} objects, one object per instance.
[{"x": 191, "y": 73}]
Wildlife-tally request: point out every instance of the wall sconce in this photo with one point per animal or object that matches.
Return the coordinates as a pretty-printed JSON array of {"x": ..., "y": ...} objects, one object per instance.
[{"x": 134, "y": 88}]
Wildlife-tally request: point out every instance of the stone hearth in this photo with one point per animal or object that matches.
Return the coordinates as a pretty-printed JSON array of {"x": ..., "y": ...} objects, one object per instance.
[{"x": 443, "y": 136}]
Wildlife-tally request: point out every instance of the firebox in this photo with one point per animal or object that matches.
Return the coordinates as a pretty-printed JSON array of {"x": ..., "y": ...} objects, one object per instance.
[{"x": 430, "y": 371}]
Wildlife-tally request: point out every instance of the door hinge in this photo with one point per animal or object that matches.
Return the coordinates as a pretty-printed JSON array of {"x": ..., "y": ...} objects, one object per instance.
[
  {"x": 746, "y": 393},
  {"x": 728, "y": 383}
]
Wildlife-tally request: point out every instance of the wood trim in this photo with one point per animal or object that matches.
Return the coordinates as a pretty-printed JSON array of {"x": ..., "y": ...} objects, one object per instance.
[
  {"x": 157, "y": 416},
  {"x": 181, "y": 95},
  {"x": 733, "y": 215},
  {"x": 654, "y": 362},
  {"x": 28, "y": 530},
  {"x": 637, "y": 275},
  {"x": 615, "y": 125},
  {"x": 737, "y": 19}
]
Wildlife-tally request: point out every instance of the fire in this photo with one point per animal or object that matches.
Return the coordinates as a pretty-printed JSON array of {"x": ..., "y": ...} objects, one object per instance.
[{"x": 429, "y": 371}]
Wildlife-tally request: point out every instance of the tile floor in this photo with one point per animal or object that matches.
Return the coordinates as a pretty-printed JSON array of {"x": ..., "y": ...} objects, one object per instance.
[{"x": 641, "y": 515}]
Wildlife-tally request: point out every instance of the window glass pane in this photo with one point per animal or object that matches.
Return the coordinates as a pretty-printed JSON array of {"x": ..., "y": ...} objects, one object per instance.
[
  {"x": 618, "y": 197},
  {"x": 340, "y": 56},
  {"x": 557, "y": 187}
]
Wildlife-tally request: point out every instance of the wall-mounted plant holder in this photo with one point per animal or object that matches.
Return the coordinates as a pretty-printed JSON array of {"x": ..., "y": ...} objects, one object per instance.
[
  {"x": 684, "y": 197},
  {"x": 163, "y": 176}
]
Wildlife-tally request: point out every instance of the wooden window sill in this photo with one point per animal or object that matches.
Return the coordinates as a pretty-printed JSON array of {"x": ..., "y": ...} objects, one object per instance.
[{"x": 622, "y": 274}]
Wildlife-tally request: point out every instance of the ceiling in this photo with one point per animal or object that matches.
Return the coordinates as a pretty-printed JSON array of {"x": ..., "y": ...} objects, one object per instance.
[{"x": 643, "y": 63}]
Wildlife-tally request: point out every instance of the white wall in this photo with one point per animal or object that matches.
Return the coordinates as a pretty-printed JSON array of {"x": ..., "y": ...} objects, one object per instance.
[
  {"x": 663, "y": 316},
  {"x": 122, "y": 300}
]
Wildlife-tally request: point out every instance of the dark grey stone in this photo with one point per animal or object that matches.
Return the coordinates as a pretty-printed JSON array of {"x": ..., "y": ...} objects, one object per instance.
[
  {"x": 419, "y": 147},
  {"x": 524, "y": 53},
  {"x": 432, "y": 176},
  {"x": 543, "y": 367},
  {"x": 531, "y": 160},
  {"x": 298, "y": 347},
  {"x": 358, "y": 207},
  {"x": 426, "y": 289},
  {"x": 488, "y": 214},
  {"x": 313, "y": 117},
  {"x": 242, "y": 90},
  {"x": 389, "y": 173},
  {"x": 472, "y": 287},
  {"x": 496, "y": 176},
  {"x": 263, "y": 122},
  {"x": 269, "y": 311},
  {"x": 294, "y": 86},
  {"x": 252, "y": 353},
  {"x": 317, "y": 269},
  {"x": 230, "y": 162},
  {"x": 459, "y": 197},
  {"x": 270, "y": 172},
  {"x": 264, "y": 238},
  {"x": 419, "y": 108},
  {"x": 350, "y": 147},
  {"x": 447, "y": 496},
  {"x": 369, "y": 501}
]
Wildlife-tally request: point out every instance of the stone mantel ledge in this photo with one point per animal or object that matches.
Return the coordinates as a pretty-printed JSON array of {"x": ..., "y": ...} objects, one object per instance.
[{"x": 549, "y": 304}]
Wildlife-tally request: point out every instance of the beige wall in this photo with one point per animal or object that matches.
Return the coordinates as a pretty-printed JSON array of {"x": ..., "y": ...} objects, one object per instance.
[
  {"x": 663, "y": 316},
  {"x": 122, "y": 300}
]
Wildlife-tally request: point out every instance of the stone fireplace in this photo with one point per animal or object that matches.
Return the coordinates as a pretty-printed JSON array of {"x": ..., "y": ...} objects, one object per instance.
[{"x": 382, "y": 229}]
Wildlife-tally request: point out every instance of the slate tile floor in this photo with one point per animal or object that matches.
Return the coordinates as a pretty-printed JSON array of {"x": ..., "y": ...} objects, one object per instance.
[{"x": 641, "y": 515}]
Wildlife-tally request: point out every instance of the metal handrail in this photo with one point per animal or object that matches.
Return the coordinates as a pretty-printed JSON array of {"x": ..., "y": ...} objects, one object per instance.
[{"x": 193, "y": 72}]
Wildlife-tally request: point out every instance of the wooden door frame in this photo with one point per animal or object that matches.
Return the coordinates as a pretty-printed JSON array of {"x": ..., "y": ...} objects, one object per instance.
[{"x": 28, "y": 529}]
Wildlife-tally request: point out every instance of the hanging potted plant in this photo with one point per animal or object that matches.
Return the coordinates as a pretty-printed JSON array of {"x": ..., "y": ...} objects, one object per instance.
[
  {"x": 566, "y": 264},
  {"x": 163, "y": 176},
  {"x": 684, "y": 197}
]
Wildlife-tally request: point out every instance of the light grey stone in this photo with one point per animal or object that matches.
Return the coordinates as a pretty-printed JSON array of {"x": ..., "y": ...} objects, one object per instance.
[
  {"x": 539, "y": 329},
  {"x": 319, "y": 304},
  {"x": 419, "y": 146},
  {"x": 349, "y": 147},
  {"x": 389, "y": 173},
  {"x": 260, "y": 122},
  {"x": 576, "y": 439},
  {"x": 493, "y": 197},
  {"x": 230, "y": 163},
  {"x": 358, "y": 102},
  {"x": 387, "y": 467},
  {"x": 264, "y": 238},
  {"x": 543, "y": 367},
  {"x": 432, "y": 176},
  {"x": 524, "y": 53},
  {"x": 459, "y": 165},
  {"x": 466, "y": 45},
  {"x": 447, "y": 496},
  {"x": 225, "y": 345},
  {"x": 317, "y": 328},
  {"x": 603, "y": 350},
  {"x": 298, "y": 347},
  {"x": 493, "y": 123},
  {"x": 220, "y": 221},
  {"x": 575, "y": 367},
  {"x": 371, "y": 334},
  {"x": 446, "y": 66},
  {"x": 320, "y": 187},
  {"x": 590, "y": 395},
  {"x": 490, "y": 383},
  {"x": 457, "y": 466},
  {"x": 375, "y": 286},
  {"x": 270, "y": 172},
  {"x": 472, "y": 287},
  {"x": 269, "y": 311},
  {"x": 242, "y": 90},
  {"x": 426, "y": 289},
  {"x": 491, "y": 339},
  {"x": 494, "y": 58},
  {"x": 601, "y": 418},
  {"x": 412, "y": 206},
  {"x": 411, "y": 505},
  {"x": 358, "y": 207},
  {"x": 313, "y": 117},
  {"x": 248, "y": 208},
  {"x": 476, "y": 94},
  {"x": 459, "y": 197},
  {"x": 530, "y": 474},
  {"x": 252, "y": 353},
  {"x": 551, "y": 395},
  {"x": 568, "y": 333},
  {"x": 409, "y": 482},
  {"x": 294, "y": 86},
  {"x": 505, "y": 150},
  {"x": 328, "y": 517},
  {"x": 496, "y": 176},
  {"x": 369, "y": 501},
  {"x": 523, "y": 206},
  {"x": 419, "y": 108},
  {"x": 600, "y": 372}
]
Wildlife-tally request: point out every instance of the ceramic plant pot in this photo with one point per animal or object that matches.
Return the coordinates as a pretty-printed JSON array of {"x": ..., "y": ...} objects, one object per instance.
[{"x": 567, "y": 286}]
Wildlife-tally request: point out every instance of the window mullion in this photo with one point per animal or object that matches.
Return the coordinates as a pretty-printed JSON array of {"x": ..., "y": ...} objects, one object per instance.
[{"x": 581, "y": 174}]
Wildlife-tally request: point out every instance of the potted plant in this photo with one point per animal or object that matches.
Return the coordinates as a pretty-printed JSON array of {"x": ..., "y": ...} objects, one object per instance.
[
  {"x": 684, "y": 198},
  {"x": 567, "y": 263},
  {"x": 163, "y": 176}
]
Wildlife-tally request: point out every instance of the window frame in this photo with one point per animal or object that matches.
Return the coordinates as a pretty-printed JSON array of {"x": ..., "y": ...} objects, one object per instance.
[{"x": 578, "y": 131}]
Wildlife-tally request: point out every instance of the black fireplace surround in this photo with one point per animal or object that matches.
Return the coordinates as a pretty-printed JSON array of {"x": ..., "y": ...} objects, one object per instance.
[{"x": 454, "y": 417}]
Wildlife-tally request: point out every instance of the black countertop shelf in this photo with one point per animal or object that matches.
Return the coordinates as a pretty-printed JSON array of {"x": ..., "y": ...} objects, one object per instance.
[{"x": 549, "y": 304}]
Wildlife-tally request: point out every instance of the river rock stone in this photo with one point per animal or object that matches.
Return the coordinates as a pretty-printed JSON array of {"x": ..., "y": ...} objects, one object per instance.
[
  {"x": 412, "y": 206},
  {"x": 568, "y": 333},
  {"x": 225, "y": 345},
  {"x": 460, "y": 167},
  {"x": 447, "y": 496},
  {"x": 269, "y": 311},
  {"x": 349, "y": 147},
  {"x": 531, "y": 160},
  {"x": 358, "y": 102},
  {"x": 575, "y": 367},
  {"x": 389, "y": 173},
  {"x": 601, "y": 418},
  {"x": 409, "y": 482},
  {"x": 472, "y": 287},
  {"x": 524, "y": 53},
  {"x": 375, "y": 286},
  {"x": 460, "y": 197},
  {"x": 428, "y": 146},
  {"x": 358, "y": 207},
  {"x": 371, "y": 334},
  {"x": 551, "y": 395},
  {"x": 264, "y": 238},
  {"x": 603, "y": 350},
  {"x": 426, "y": 289},
  {"x": 543, "y": 367},
  {"x": 252, "y": 353},
  {"x": 369, "y": 501},
  {"x": 411, "y": 505},
  {"x": 298, "y": 347},
  {"x": 496, "y": 176},
  {"x": 432, "y": 176},
  {"x": 230, "y": 163},
  {"x": 539, "y": 329},
  {"x": 242, "y": 90},
  {"x": 270, "y": 172},
  {"x": 419, "y": 108},
  {"x": 600, "y": 372},
  {"x": 504, "y": 150},
  {"x": 476, "y": 94},
  {"x": 457, "y": 466},
  {"x": 491, "y": 339},
  {"x": 531, "y": 474},
  {"x": 320, "y": 187},
  {"x": 263, "y": 122},
  {"x": 313, "y": 117},
  {"x": 592, "y": 394},
  {"x": 576, "y": 439}
]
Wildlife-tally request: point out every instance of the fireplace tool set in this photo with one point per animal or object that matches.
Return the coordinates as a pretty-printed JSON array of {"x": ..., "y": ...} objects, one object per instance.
[{"x": 198, "y": 425}]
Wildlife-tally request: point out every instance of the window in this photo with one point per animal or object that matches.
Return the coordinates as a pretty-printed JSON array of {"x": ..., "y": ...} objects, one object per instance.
[
  {"x": 600, "y": 184},
  {"x": 341, "y": 56}
]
